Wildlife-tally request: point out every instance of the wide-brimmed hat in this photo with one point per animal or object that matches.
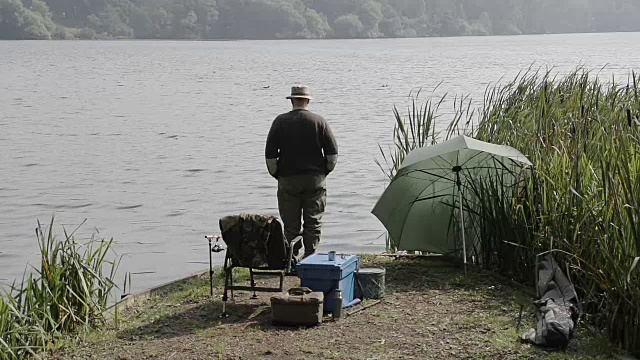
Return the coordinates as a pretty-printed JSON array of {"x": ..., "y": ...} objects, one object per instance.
[{"x": 300, "y": 92}]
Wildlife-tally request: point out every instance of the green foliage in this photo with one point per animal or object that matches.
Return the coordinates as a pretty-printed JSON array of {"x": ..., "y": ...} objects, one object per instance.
[
  {"x": 317, "y": 25},
  {"x": 348, "y": 26},
  {"x": 310, "y": 19},
  {"x": 68, "y": 291},
  {"x": 20, "y": 22},
  {"x": 370, "y": 14}
]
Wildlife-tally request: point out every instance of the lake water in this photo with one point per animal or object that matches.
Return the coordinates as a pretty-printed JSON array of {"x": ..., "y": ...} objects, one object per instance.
[{"x": 153, "y": 141}]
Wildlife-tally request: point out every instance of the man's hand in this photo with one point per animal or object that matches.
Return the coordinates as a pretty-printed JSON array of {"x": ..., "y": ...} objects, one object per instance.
[
  {"x": 332, "y": 160},
  {"x": 272, "y": 166}
]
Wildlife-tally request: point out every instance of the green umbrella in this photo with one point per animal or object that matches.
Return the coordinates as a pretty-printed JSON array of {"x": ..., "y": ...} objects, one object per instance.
[{"x": 418, "y": 205}]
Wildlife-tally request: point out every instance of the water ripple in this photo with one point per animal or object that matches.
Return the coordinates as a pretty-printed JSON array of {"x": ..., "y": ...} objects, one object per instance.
[{"x": 129, "y": 207}]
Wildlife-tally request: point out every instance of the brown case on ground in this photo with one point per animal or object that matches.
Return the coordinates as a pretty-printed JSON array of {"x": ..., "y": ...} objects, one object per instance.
[{"x": 299, "y": 306}]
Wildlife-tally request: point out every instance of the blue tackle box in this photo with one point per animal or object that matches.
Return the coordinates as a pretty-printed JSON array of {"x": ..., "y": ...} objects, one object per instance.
[{"x": 320, "y": 274}]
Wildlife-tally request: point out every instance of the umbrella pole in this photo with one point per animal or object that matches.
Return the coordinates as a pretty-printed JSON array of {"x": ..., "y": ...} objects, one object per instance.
[
  {"x": 464, "y": 242},
  {"x": 457, "y": 170}
]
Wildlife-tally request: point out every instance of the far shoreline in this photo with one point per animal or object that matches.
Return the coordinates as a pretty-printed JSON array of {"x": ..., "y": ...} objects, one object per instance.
[{"x": 328, "y": 39}]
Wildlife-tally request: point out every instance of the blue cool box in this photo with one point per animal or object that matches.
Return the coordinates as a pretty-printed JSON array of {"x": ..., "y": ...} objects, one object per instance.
[{"x": 319, "y": 274}]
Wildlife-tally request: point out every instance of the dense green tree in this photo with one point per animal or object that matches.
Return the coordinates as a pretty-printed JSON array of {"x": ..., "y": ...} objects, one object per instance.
[
  {"x": 348, "y": 26},
  {"x": 11, "y": 19},
  {"x": 141, "y": 24},
  {"x": 332, "y": 9},
  {"x": 317, "y": 25},
  {"x": 30, "y": 23},
  {"x": 370, "y": 14},
  {"x": 408, "y": 8},
  {"x": 193, "y": 19}
]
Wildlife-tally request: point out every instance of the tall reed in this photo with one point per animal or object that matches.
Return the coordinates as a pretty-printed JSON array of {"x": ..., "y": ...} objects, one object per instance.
[
  {"x": 67, "y": 291},
  {"x": 414, "y": 130}
]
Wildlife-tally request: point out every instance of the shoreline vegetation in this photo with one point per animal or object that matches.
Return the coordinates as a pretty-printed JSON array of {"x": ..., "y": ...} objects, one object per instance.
[
  {"x": 66, "y": 294},
  {"x": 578, "y": 201},
  {"x": 308, "y": 19}
]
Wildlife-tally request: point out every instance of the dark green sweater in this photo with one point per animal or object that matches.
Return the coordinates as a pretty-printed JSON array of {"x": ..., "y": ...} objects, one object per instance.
[{"x": 301, "y": 141}]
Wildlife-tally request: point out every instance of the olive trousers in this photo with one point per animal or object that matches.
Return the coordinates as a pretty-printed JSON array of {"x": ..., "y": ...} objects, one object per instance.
[{"x": 301, "y": 202}]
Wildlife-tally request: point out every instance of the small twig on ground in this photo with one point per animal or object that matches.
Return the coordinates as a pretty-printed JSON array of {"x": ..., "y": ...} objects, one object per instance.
[
  {"x": 258, "y": 311},
  {"x": 250, "y": 323},
  {"x": 364, "y": 307}
]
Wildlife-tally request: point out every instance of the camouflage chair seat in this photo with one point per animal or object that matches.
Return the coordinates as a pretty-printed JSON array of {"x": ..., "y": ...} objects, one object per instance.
[{"x": 256, "y": 242}]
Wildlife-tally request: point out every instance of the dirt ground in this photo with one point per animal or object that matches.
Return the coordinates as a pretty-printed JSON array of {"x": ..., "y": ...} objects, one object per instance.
[{"x": 430, "y": 311}]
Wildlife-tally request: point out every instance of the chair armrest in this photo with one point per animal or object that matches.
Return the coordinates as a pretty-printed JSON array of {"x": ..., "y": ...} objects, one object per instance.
[
  {"x": 292, "y": 244},
  {"x": 296, "y": 240}
]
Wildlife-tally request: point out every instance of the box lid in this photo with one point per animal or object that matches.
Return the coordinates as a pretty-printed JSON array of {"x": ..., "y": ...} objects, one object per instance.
[{"x": 317, "y": 261}]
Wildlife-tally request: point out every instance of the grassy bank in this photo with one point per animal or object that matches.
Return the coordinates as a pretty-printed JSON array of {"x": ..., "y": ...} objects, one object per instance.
[
  {"x": 66, "y": 293},
  {"x": 430, "y": 311},
  {"x": 581, "y": 199}
]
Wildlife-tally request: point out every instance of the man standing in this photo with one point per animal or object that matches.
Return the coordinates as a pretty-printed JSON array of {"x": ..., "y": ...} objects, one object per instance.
[{"x": 301, "y": 151}]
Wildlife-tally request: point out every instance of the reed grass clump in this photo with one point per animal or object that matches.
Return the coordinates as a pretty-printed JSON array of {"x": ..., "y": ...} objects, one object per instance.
[
  {"x": 68, "y": 291},
  {"x": 581, "y": 199},
  {"x": 417, "y": 128}
]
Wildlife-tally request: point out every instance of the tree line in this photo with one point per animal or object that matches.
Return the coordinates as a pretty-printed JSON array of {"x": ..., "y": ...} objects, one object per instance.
[{"x": 308, "y": 19}]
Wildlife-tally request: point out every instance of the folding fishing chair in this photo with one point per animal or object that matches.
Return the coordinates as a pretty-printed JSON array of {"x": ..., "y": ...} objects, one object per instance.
[{"x": 255, "y": 242}]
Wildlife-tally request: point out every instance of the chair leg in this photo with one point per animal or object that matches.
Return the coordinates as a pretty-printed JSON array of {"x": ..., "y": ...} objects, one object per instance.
[
  {"x": 291, "y": 246},
  {"x": 225, "y": 296},
  {"x": 231, "y": 281},
  {"x": 282, "y": 281},
  {"x": 228, "y": 275},
  {"x": 253, "y": 284}
]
